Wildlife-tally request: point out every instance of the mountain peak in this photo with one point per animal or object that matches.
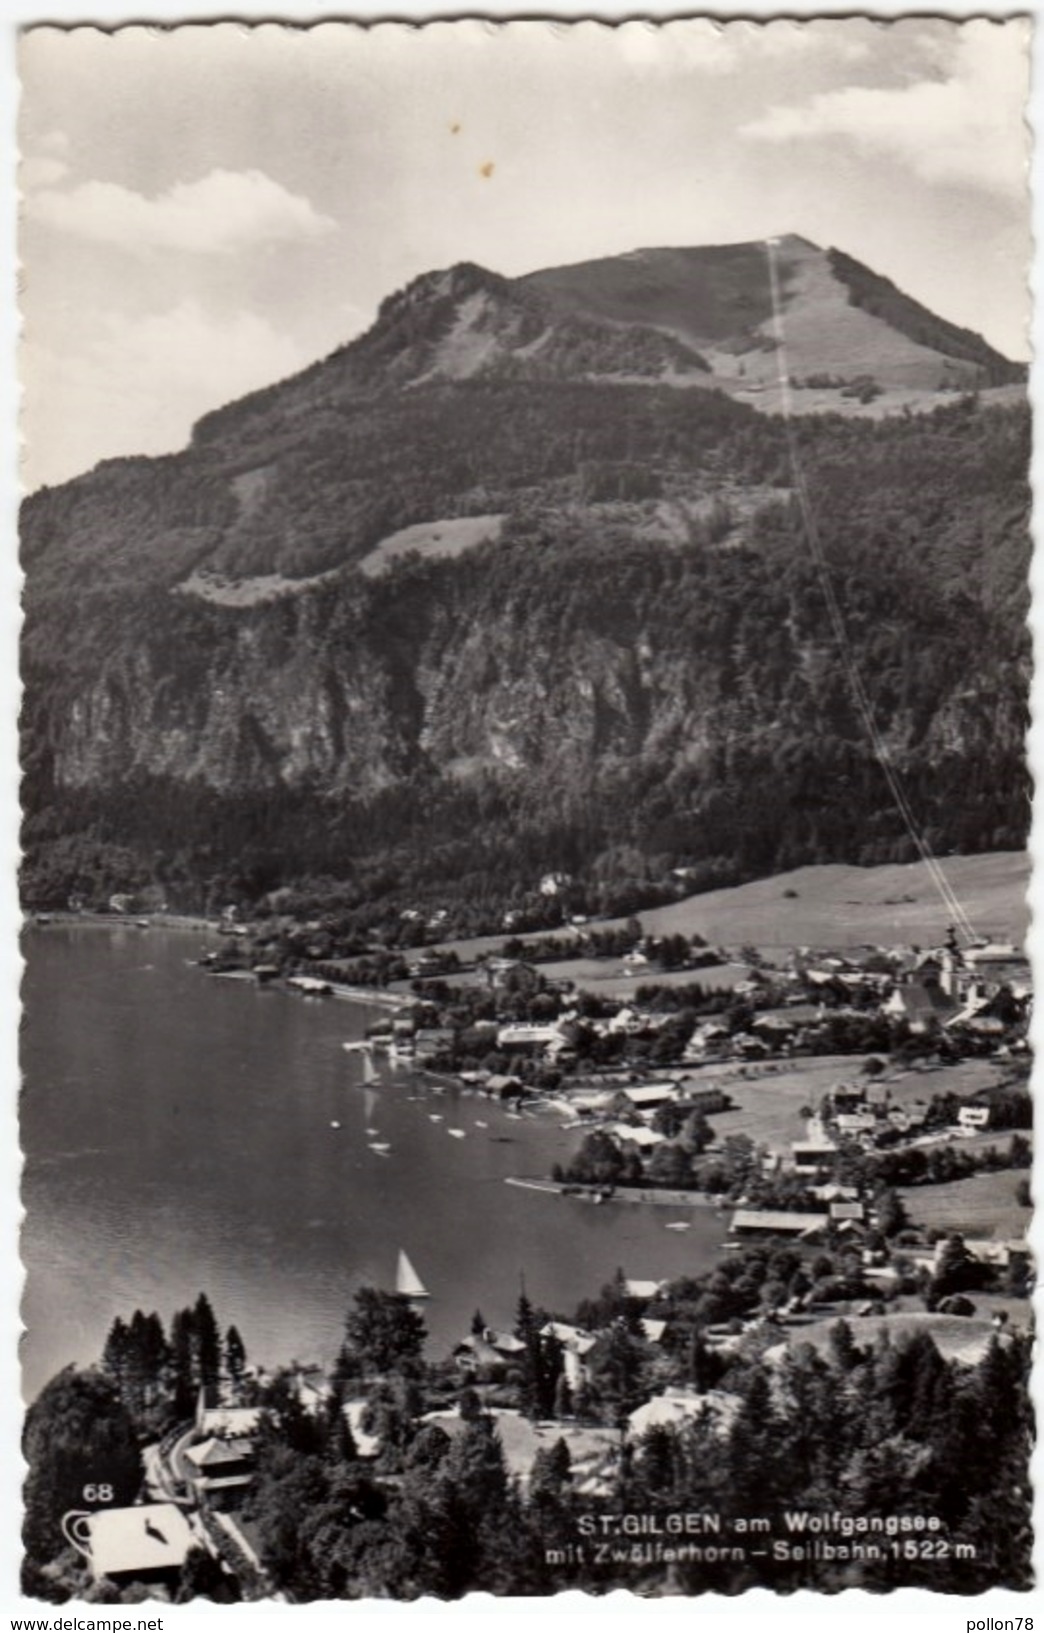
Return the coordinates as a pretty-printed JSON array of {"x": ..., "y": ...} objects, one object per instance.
[
  {"x": 843, "y": 323},
  {"x": 680, "y": 316},
  {"x": 448, "y": 283}
]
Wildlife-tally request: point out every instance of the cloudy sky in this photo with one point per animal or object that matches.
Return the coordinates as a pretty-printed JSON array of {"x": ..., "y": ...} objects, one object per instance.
[{"x": 207, "y": 209}]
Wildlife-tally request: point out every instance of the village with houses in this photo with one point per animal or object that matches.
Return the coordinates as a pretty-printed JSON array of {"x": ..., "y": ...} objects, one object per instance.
[
  {"x": 856, "y": 1122},
  {"x": 780, "y": 1085}
]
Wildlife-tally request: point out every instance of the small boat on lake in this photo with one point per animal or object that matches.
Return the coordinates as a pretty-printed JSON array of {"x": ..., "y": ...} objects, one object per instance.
[
  {"x": 407, "y": 1281},
  {"x": 380, "y": 1147},
  {"x": 679, "y": 1224},
  {"x": 334, "y": 1123},
  {"x": 457, "y": 1133},
  {"x": 435, "y": 1116}
]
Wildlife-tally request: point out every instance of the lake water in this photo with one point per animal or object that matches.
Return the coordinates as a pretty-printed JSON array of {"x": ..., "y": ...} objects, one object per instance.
[{"x": 177, "y": 1138}]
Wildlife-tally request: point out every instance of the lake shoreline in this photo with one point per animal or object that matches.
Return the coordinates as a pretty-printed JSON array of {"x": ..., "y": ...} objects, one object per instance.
[
  {"x": 634, "y": 1195},
  {"x": 183, "y": 1134},
  {"x": 65, "y": 917},
  {"x": 188, "y": 924}
]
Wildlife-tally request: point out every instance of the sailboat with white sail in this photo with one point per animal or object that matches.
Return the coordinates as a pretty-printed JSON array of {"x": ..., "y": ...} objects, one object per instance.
[
  {"x": 364, "y": 1049},
  {"x": 407, "y": 1281}
]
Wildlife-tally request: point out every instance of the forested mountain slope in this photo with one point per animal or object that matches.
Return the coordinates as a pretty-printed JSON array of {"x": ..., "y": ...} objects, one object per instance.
[{"x": 635, "y": 671}]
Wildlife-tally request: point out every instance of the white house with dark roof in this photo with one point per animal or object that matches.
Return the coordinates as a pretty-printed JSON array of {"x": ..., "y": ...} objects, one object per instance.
[
  {"x": 998, "y": 964},
  {"x": 576, "y": 1346},
  {"x": 678, "y": 1406},
  {"x": 637, "y": 1134},
  {"x": 974, "y": 1117},
  {"x": 643, "y": 1289},
  {"x": 148, "y": 1543}
]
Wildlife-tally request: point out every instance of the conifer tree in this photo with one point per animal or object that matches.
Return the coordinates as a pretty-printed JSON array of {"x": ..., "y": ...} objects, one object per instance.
[
  {"x": 207, "y": 1344},
  {"x": 183, "y": 1363},
  {"x": 116, "y": 1354},
  {"x": 235, "y": 1357}
]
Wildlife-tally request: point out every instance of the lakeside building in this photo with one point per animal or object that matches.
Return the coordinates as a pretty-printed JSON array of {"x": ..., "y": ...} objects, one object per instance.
[{"x": 777, "y": 1222}]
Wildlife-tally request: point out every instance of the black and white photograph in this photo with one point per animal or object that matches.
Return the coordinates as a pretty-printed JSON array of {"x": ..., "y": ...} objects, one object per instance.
[{"x": 525, "y": 681}]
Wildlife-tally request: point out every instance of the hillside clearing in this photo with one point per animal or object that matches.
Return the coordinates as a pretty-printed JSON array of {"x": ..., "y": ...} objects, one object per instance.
[
  {"x": 838, "y": 905},
  {"x": 982, "y": 1206},
  {"x": 957, "y": 1338},
  {"x": 247, "y": 592},
  {"x": 767, "y": 1103},
  {"x": 922, "y": 1080},
  {"x": 607, "y": 977},
  {"x": 835, "y": 905},
  {"x": 448, "y": 537}
]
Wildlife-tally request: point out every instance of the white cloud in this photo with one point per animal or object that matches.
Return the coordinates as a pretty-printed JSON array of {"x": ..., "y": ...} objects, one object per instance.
[
  {"x": 221, "y": 213},
  {"x": 137, "y": 387},
  {"x": 41, "y": 170},
  {"x": 701, "y": 45},
  {"x": 964, "y": 127},
  {"x": 44, "y": 162},
  {"x": 54, "y": 141}
]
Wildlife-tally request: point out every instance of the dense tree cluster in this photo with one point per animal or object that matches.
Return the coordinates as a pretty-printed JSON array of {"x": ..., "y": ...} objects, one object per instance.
[
  {"x": 858, "y": 1429},
  {"x": 78, "y": 1435}
]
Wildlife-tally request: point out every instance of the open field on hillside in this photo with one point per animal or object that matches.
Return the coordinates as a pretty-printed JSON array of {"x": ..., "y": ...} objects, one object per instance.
[
  {"x": 836, "y": 906},
  {"x": 983, "y": 1205},
  {"x": 842, "y": 906},
  {"x": 1019, "y": 1311},
  {"x": 893, "y": 400},
  {"x": 522, "y": 1439},
  {"x": 247, "y": 592},
  {"x": 767, "y": 1105},
  {"x": 768, "y": 1100},
  {"x": 964, "y": 1077},
  {"x": 606, "y": 977},
  {"x": 958, "y": 1338},
  {"x": 450, "y": 537}
]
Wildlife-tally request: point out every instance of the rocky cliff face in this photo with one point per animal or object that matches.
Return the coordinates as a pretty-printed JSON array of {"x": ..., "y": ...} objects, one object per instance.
[
  {"x": 609, "y": 588},
  {"x": 325, "y": 689}
]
